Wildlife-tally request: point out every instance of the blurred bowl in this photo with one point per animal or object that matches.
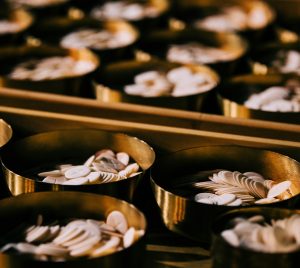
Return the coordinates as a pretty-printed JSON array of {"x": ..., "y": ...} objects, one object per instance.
[
  {"x": 237, "y": 90},
  {"x": 71, "y": 85},
  {"x": 19, "y": 17},
  {"x": 147, "y": 23},
  {"x": 52, "y": 31},
  {"x": 157, "y": 44},
  {"x": 191, "y": 11},
  {"x": 5, "y": 132},
  {"x": 24, "y": 159},
  {"x": 59, "y": 206},
  {"x": 225, "y": 255},
  {"x": 185, "y": 216},
  {"x": 109, "y": 84}
]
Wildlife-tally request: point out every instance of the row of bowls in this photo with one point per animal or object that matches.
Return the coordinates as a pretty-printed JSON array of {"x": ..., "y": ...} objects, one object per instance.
[{"x": 179, "y": 213}]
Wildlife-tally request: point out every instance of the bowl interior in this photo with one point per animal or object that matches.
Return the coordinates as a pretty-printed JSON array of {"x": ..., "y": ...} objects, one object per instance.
[
  {"x": 29, "y": 156},
  {"x": 5, "y": 133}
]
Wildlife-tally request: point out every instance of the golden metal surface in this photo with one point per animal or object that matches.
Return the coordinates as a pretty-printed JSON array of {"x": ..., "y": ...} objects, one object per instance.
[
  {"x": 67, "y": 85},
  {"x": 24, "y": 159},
  {"x": 232, "y": 95},
  {"x": 192, "y": 219},
  {"x": 111, "y": 81},
  {"x": 224, "y": 255},
  {"x": 5, "y": 132},
  {"x": 64, "y": 205}
]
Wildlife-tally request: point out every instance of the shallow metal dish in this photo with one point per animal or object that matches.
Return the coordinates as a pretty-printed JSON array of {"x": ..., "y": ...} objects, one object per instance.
[
  {"x": 191, "y": 10},
  {"x": 156, "y": 43},
  {"x": 189, "y": 218},
  {"x": 54, "y": 29},
  {"x": 61, "y": 205},
  {"x": 11, "y": 56},
  {"x": 23, "y": 18},
  {"x": 109, "y": 84},
  {"x": 24, "y": 159},
  {"x": 233, "y": 94},
  {"x": 224, "y": 255},
  {"x": 5, "y": 132}
]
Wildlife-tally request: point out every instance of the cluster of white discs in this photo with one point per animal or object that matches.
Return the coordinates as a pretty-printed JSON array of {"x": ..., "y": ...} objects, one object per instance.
[
  {"x": 254, "y": 233},
  {"x": 78, "y": 238},
  {"x": 235, "y": 189}
]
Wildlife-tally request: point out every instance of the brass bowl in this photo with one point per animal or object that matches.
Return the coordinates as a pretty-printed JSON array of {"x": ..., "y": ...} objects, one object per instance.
[
  {"x": 156, "y": 44},
  {"x": 110, "y": 82},
  {"x": 23, "y": 18},
  {"x": 11, "y": 56},
  {"x": 24, "y": 159},
  {"x": 5, "y": 132},
  {"x": 185, "y": 216},
  {"x": 148, "y": 23},
  {"x": 191, "y": 10},
  {"x": 62, "y": 205},
  {"x": 232, "y": 95},
  {"x": 261, "y": 59},
  {"x": 51, "y": 31},
  {"x": 225, "y": 255}
]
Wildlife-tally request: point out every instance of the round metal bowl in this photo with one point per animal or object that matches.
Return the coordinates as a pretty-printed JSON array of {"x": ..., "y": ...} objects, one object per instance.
[
  {"x": 24, "y": 159},
  {"x": 157, "y": 43},
  {"x": 262, "y": 58},
  {"x": 5, "y": 132},
  {"x": 63, "y": 205},
  {"x": 11, "y": 56},
  {"x": 110, "y": 82},
  {"x": 148, "y": 23},
  {"x": 189, "y": 11},
  {"x": 225, "y": 255},
  {"x": 54, "y": 29},
  {"x": 185, "y": 216},
  {"x": 22, "y": 18},
  {"x": 232, "y": 95}
]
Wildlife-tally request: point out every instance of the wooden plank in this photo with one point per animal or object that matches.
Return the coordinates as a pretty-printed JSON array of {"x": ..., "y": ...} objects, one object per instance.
[{"x": 146, "y": 114}]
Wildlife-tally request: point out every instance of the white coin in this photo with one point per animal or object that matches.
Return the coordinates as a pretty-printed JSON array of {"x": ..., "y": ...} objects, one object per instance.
[
  {"x": 77, "y": 181},
  {"x": 89, "y": 161},
  {"x": 25, "y": 248},
  {"x": 51, "y": 250},
  {"x": 52, "y": 173},
  {"x": 279, "y": 188},
  {"x": 236, "y": 202},
  {"x": 78, "y": 239},
  {"x": 37, "y": 234},
  {"x": 68, "y": 234},
  {"x": 128, "y": 238},
  {"x": 225, "y": 199},
  {"x": 94, "y": 176},
  {"x": 117, "y": 220},
  {"x": 91, "y": 241},
  {"x": 204, "y": 196},
  {"x": 256, "y": 218},
  {"x": 123, "y": 158},
  {"x": 49, "y": 179},
  {"x": 267, "y": 200},
  {"x": 231, "y": 237},
  {"x": 60, "y": 180},
  {"x": 77, "y": 171},
  {"x": 209, "y": 201},
  {"x": 108, "y": 247}
]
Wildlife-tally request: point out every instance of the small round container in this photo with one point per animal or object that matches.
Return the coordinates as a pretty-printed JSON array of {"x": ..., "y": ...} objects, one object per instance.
[
  {"x": 191, "y": 11},
  {"x": 60, "y": 206},
  {"x": 225, "y": 255},
  {"x": 5, "y": 132},
  {"x": 185, "y": 216},
  {"x": 53, "y": 30},
  {"x": 157, "y": 43},
  {"x": 237, "y": 90},
  {"x": 143, "y": 24},
  {"x": 71, "y": 85},
  {"x": 111, "y": 80},
  {"x": 20, "y": 17},
  {"x": 24, "y": 159}
]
